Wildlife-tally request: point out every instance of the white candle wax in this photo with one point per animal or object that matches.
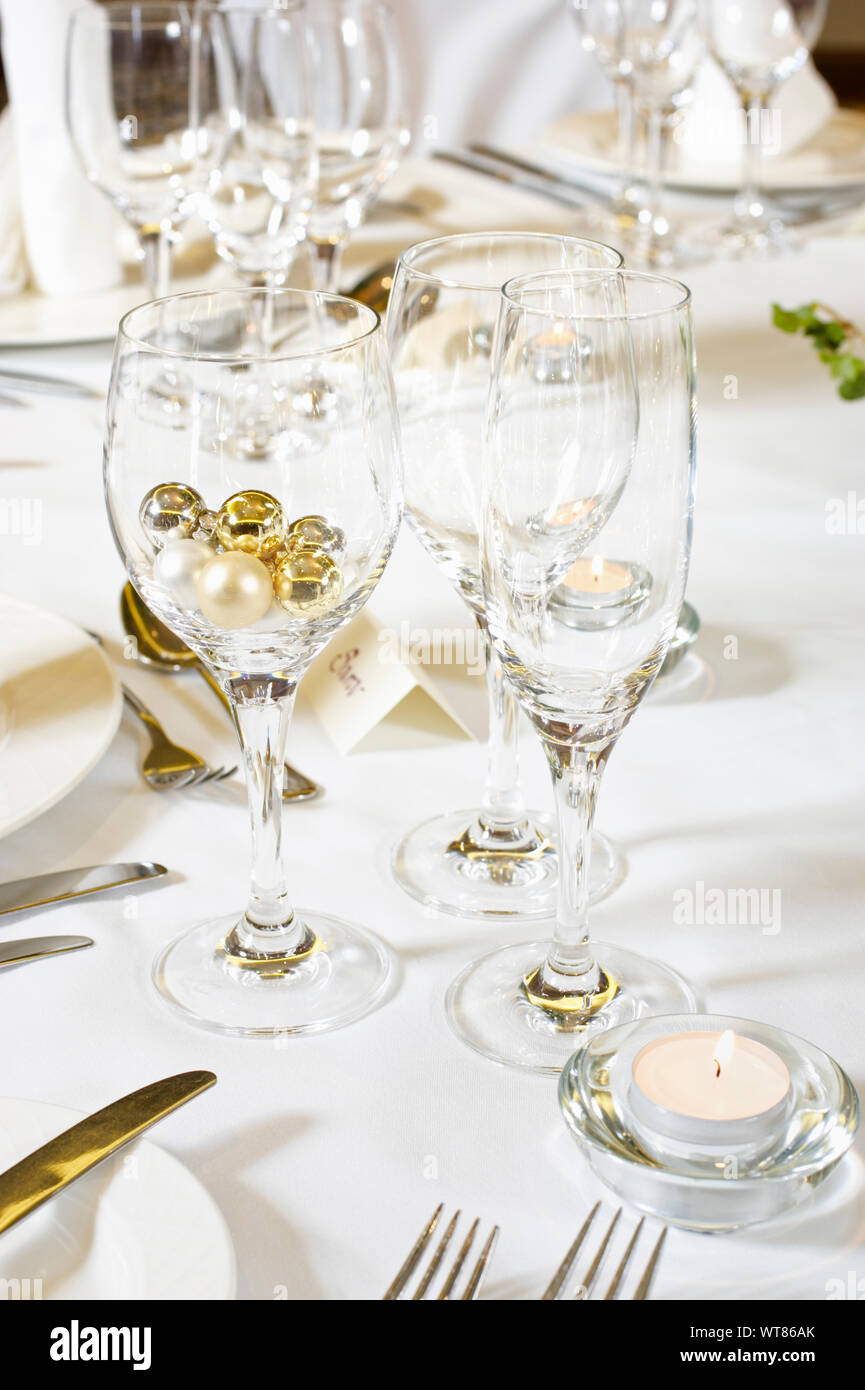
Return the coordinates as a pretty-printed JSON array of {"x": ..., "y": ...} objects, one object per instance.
[{"x": 709, "y": 1089}]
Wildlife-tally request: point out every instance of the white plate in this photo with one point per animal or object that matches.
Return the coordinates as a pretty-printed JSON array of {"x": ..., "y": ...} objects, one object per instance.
[
  {"x": 138, "y": 1226},
  {"x": 60, "y": 705},
  {"x": 832, "y": 159},
  {"x": 38, "y": 320}
]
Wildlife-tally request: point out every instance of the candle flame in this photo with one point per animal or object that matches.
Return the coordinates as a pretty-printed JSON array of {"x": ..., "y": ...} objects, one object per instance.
[
  {"x": 597, "y": 567},
  {"x": 724, "y": 1050}
]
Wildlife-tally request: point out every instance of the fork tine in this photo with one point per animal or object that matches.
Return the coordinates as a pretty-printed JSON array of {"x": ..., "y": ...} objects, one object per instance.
[
  {"x": 459, "y": 1262},
  {"x": 410, "y": 1264},
  {"x": 557, "y": 1283},
  {"x": 591, "y": 1274},
  {"x": 623, "y": 1263},
  {"x": 645, "y": 1282},
  {"x": 437, "y": 1258},
  {"x": 473, "y": 1287}
]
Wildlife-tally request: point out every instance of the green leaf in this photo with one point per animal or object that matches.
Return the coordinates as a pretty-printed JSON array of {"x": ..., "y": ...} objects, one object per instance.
[
  {"x": 853, "y": 390},
  {"x": 847, "y": 366},
  {"x": 785, "y": 319}
]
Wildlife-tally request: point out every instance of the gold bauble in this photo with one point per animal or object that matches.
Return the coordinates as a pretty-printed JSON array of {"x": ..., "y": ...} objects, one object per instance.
[
  {"x": 234, "y": 590},
  {"x": 170, "y": 511},
  {"x": 307, "y": 583},
  {"x": 316, "y": 533},
  {"x": 252, "y": 522}
]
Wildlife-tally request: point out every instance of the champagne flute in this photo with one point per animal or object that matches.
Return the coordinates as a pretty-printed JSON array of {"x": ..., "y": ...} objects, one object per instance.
[
  {"x": 360, "y": 121},
  {"x": 256, "y": 147},
  {"x": 662, "y": 48},
  {"x": 128, "y": 70},
  {"x": 499, "y": 859},
  {"x": 759, "y": 45},
  {"x": 256, "y": 565},
  {"x": 588, "y": 492},
  {"x": 602, "y": 27}
]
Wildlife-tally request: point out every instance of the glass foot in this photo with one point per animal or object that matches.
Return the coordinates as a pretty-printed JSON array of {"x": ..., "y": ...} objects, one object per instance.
[
  {"x": 438, "y": 866},
  {"x": 488, "y": 1007},
  {"x": 339, "y": 981},
  {"x": 761, "y": 241}
]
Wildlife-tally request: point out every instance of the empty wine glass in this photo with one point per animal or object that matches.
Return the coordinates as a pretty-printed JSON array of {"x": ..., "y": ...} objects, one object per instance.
[
  {"x": 256, "y": 144},
  {"x": 588, "y": 490},
  {"x": 662, "y": 48},
  {"x": 759, "y": 45},
  {"x": 499, "y": 859},
  {"x": 602, "y": 28},
  {"x": 361, "y": 129},
  {"x": 256, "y": 566},
  {"x": 128, "y": 69}
]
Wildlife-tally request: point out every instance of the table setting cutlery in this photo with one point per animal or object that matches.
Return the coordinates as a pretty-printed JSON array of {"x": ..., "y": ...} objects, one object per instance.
[
  {"x": 41, "y": 385},
  {"x": 40, "y": 947},
  {"x": 157, "y": 646},
  {"x": 52, "y": 1167},
  {"x": 558, "y": 1287},
  {"x": 471, "y": 1290},
  {"x": 43, "y": 890},
  {"x": 167, "y": 766}
]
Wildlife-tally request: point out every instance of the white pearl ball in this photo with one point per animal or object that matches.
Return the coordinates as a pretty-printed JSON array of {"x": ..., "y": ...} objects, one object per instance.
[
  {"x": 234, "y": 590},
  {"x": 178, "y": 566}
]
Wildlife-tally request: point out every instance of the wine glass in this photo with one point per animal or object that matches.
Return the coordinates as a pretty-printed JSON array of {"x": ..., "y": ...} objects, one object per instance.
[
  {"x": 256, "y": 144},
  {"x": 128, "y": 69},
  {"x": 499, "y": 859},
  {"x": 360, "y": 122},
  {"x": 663, "y": 47},
  {"x": 256, "y": 566},
  {"x": 601, "y": 26},
  {"x": 758, "y": 45},
  {"x": 588, "y": 492}
]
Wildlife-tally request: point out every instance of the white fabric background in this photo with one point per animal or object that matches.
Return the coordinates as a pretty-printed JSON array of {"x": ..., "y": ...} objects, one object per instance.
[{"x": 327, "y": 1153}]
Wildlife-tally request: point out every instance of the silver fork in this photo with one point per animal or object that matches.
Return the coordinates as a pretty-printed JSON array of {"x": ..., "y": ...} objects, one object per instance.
[
  {"x": 473, "y": 1287},
  {"x": 556, "y": 1288},
  {"x": 167, "y": 766}
]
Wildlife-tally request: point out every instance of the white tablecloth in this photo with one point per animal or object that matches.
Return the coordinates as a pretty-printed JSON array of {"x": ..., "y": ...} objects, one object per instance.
[{"x": 326, "y": 1153}]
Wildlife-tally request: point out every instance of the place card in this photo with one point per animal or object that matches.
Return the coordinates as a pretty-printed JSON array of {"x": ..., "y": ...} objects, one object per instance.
[{"x": 368, "y": 697}]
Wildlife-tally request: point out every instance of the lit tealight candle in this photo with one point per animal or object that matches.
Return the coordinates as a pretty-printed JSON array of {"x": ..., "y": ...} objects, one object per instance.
[
  {"x": 598, "y": 576},
  {"x": 709, "y": 1090}
]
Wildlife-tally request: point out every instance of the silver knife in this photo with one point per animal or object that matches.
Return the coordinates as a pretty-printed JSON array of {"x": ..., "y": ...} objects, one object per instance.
[
  {"x": 25, "y": 893},
  {"x": 46, "y": 385},
  {"x": 547, "y": 187},
  {"x": 34, "y": 948},
  {"x": 59, "y": 1162},
  {"x": 10, "y": 400}
]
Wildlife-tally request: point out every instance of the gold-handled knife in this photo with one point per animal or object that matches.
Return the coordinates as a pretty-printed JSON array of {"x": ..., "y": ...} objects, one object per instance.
[
  {"x": 37, "y": 947},
  {"x": 41, "y": 1174},
  {"x": 26, "y": 893}
]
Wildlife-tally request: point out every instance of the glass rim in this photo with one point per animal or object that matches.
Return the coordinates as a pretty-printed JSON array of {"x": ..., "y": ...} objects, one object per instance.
[
  {"x": 150, "y": 16},
  {"x": 248, "y": 292},
  {"x": 260, "y": 10},
  {"x": 448, "y": 282},
  {"x": 683, "y": 301}
]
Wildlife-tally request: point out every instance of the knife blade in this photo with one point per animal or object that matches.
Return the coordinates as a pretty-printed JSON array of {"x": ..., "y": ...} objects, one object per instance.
[
  {"x": 46, "y": 385},
  {"x": 558, "y": 193},
  {"x": 25, "y": 893},
  {"x": 35, "y": 947},
  {"x": 47, "y": 1170}
]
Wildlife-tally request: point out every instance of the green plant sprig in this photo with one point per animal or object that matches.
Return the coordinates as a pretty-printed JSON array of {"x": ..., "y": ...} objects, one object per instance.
[{"x": 831, "y": 335}]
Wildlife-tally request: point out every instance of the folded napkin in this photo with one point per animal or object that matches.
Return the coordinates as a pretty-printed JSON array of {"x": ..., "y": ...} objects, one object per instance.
[
  {"x": 13, "y": 264},
  {"x": 711, "y": 130},
  {"x": 68, "y": 227}
]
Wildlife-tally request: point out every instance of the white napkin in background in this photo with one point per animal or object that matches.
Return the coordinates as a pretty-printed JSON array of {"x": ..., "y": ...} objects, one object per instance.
[
  {"x": 710, "y": 131},
  {"x": 69, "y": 227},
  {"x": 13, "y": 264}
]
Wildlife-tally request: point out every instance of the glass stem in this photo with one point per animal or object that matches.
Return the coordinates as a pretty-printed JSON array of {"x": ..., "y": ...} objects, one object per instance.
[
  {"x": 625, "y": 140},
  {"x": 503, "y": 808},
  {"x": 749, "y": 204},
  {"x": 570, "y": 968},
  {"x": 262, "y": 708},
  {"x": 656, "y": 158},
  {"x": 155, "y": 243},
  {"x": 325, "y": 259}
]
